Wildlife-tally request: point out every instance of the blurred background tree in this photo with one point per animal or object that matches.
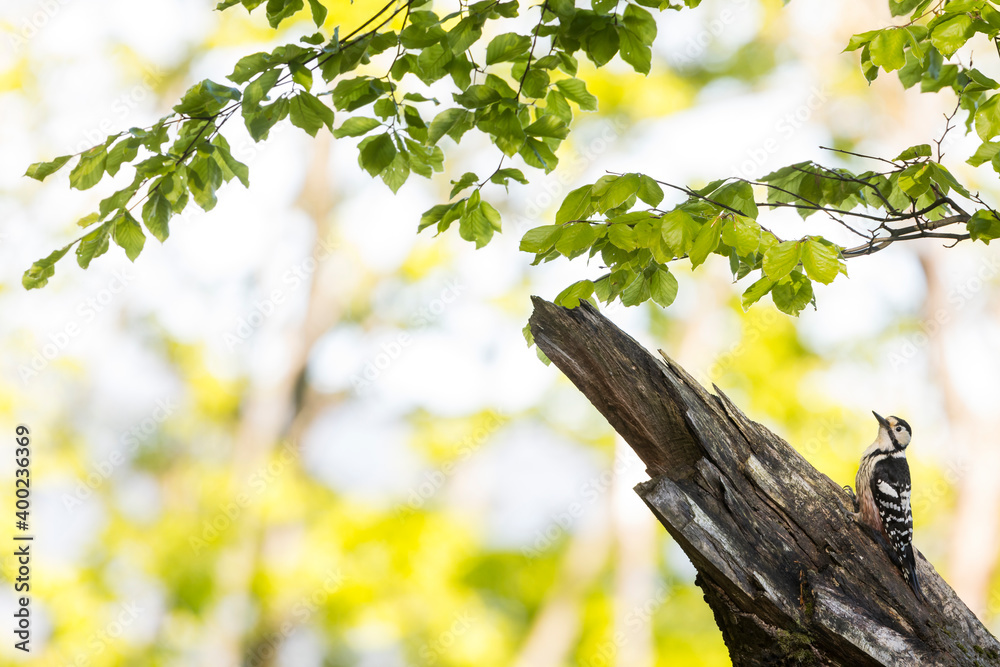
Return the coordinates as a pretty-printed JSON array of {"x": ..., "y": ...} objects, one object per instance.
[{"x": 325, "y": 443}]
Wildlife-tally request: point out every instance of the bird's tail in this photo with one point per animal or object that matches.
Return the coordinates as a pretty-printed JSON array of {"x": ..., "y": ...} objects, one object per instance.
[{"x": 910, "y": 574}]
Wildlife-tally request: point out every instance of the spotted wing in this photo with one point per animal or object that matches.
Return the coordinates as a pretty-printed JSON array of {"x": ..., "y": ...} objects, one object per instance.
[{"x": 890, "y": 488}]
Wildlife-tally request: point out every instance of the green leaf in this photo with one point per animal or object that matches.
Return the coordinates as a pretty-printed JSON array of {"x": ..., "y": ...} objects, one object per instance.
[
  {"x": 260, "y": 123},
  {"x": 983, "y": 226},
  {"x": 433, "y": 62},
  {"x": 460, "y": 69},
  {"x": 576, "y": 239},
  {"x": 356, "y": 127},
  {"x": 821, "y": 260},
  {"x": 913, "y": 152},
  {"x": 446, "y": 122},
  {"x": 556, "y": 104},
  {"x": 229, "y": 165},
  {"x": 279, "y": 10},
  {"x": 678, "y": 231},
  {"x": 475, "y": 225},
  {"x": 618, "y": 192},
  {"x": 258, "y": 89},
  {"x": 537, "y": 154},
  {"x": 861, "y": 39},
  {"x": 576, "y": 205},
  {"x": 381, "y": 41},
  {"x": 351, "y": 94},
  {"x": 467, "y": 179},
  {"x": 622, "y": 236},
  {"x": 755, "y": 292},
  {"x": 540, "y": 239},
  {"x": 397, "y": 172},
  {"x": 40, "y": 272},
  {"x": 90, "y": 169},
  {"x": 503, "y": 176},
  {"x": 204, "y": 178},
  {"x": 576, "y": 90},
  {"x": 301, "y": 75},
  {"x": 441, "y": 212},
  {"x": 39, "y": 170},
  {"x": 309, "y": 113},
  {"x": 536, "y": 83},
  {"x": 377, "y": 153},
  {"x": 424, "y": 160},
  {"x": 477, "y": 97},
  {"x": 634, "y": 52},
  {"x": 663, "y": 287},
  {"x": 156, "y": 215},
  {"x": 123, "y": 151},
  {"x": 946, "y": 180},
  {"x": 415, "y": 125},
  {"x": 492, "y": 215},
  {"x": 206, "y": 99},
  {"x": 779, "y": 260},
  {"x": 792, "y": 294},
  {"x": 705, "y": 242},
  {"x": 650, "y": 191},
  {"x": 506, "y": 130},
  {"x": 741, "y": 233},
  {"x": 88, "y": 220},
  {"x": 318, "y": 12},
  {"x": 902, "y": 7},
  {"x": 120, "y": 198},
  {"x": 636, "y": 292},
  {"x": 249, "y": 66},
  {"x": 507, "y": 46},
  {"x": 984, "y": 153},
  {"x": 571, "y": 296},
  {"x": 603, "y": 44},
  {"x": 640, "y": 22},
  {"x": 93, "y": 244},
  {"x": 548, "y": 126},
  {"x": 980, "y": 82},
  {"x": 466, "y": 33},
  {"x": 915, "y": 180},
  {"x": 990, "y": 15},
  {"x": 128, "y": 234},
  {"x": 174, "y": 186},
  {"x": 737, "y": 195},
  {"x": 156, "y": 165},
  {"x": 887, "y": 49},
  {"x": 988, "y": 118},
  {"x": 949, "y": 35}
]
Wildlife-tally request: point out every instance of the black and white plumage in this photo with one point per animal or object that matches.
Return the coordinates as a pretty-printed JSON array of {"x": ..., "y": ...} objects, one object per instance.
[{"x": 883, "y": 486}]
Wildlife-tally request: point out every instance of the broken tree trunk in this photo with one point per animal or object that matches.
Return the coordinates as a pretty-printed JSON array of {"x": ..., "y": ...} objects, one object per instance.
[{"x": 791, "y": 579}]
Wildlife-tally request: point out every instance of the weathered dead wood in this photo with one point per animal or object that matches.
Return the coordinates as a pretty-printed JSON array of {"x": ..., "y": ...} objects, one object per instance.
[{"x": 790, "y": 578}]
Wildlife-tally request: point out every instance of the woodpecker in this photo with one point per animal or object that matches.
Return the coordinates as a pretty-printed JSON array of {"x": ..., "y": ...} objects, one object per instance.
[{"x": 883, "y": 486}]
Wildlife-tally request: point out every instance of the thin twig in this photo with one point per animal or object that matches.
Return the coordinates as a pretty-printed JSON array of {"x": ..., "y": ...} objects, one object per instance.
[{"x": 867, "y": 157}]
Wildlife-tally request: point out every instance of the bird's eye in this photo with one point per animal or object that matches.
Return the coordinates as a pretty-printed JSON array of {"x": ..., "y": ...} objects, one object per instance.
[{"x": 899, "y": 429}]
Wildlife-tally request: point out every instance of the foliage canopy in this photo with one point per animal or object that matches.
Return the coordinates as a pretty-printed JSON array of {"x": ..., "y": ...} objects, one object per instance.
[{"x": 521, "y": 89}]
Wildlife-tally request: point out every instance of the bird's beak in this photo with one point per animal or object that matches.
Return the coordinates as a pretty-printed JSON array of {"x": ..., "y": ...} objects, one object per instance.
[{"x": 881, "y": 421}]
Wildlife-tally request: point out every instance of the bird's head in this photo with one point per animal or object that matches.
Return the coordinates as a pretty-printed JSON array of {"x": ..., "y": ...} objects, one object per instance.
[{"x": 895, "y": 431}]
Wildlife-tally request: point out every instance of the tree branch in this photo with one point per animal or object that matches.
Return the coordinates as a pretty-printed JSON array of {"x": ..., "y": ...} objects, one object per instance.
[{"x": 792, "y": 579}]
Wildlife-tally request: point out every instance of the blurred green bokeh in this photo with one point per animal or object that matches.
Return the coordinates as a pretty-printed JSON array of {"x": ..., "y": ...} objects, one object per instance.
[{"x": 300, "y": 434}]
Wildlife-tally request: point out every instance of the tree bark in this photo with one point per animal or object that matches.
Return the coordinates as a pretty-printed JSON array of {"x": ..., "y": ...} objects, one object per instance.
[{"x": 790, "y": 577}]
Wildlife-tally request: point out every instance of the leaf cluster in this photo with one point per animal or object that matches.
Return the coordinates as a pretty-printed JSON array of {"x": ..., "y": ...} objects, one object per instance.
[
  {"x": 518, "y": 89},
  {"x": 637, "y": 244}
]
